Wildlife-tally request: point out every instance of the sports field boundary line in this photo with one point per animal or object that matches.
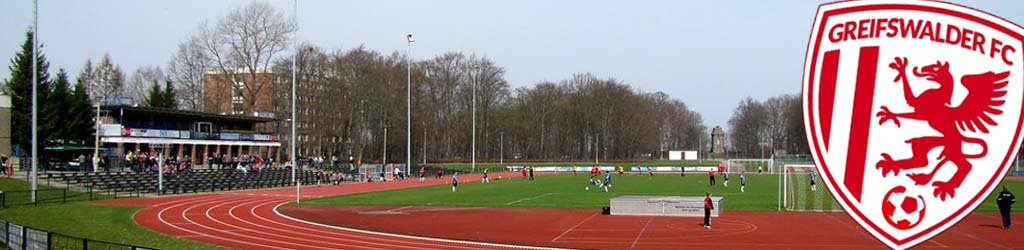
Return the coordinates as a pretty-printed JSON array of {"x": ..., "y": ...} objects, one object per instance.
[
  {"x": 575, "y": 226},
  {"x": 410, "y": 236},
  {"x": 529, "y": 198},
  {"x": 633, "y": 246}
]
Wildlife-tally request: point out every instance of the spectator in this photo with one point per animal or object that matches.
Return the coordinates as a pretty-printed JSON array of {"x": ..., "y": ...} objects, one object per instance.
[
  {"x": 708, "y": 206},
  {"x": 1004, "y": 200},
  {"x": 105, "y": 162},
  {"x": 3, "y": 164}
]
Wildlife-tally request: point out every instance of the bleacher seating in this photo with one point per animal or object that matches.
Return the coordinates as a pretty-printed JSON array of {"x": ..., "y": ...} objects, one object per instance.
[{"x": 201, "y": 180}]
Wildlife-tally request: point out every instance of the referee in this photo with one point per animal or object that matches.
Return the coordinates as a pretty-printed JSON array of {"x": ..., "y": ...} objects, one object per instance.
[{"x": 707, "y": 210}]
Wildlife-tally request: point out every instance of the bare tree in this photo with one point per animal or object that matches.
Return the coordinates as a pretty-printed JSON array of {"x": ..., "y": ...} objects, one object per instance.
[
  {"x": 103, "y": 80},
  {"x": 746, "y": 127},
  {"x": 243, "y": 44},
  {"x": 777, "y": 121},
  {"x": 797, "y": 137},
  {"x": 348, "y": 99},
  {"x": 186, "y": 70},
  {"x": 142, "y": 80}
]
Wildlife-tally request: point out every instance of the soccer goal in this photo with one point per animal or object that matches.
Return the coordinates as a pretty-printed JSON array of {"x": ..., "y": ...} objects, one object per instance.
[
  {"x": 797, "y": 193},
  {"x": 750, "y": 165}
]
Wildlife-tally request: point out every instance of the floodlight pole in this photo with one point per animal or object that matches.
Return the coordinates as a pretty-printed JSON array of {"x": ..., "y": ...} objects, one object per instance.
[
  {"x": 424, "y": 144},
  {"x": 501, "y": 144},
  {"x": 96, "y": 147},
  {"x": 160, "y": 171},
  {"x": 474, "y": 116},
  {"x": 35, "y": 98},
  {"x": 408, "y": 105},
  {"x": 295, "y": 56}
]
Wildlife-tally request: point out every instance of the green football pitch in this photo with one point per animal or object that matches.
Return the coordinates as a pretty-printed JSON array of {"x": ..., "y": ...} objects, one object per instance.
[{"x": 568, "y": 191}]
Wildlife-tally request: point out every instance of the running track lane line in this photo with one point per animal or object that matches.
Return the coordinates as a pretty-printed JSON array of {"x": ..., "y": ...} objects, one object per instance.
[
  {"x": 640, "y": 234},
  {"x": 226, "y": 198},
  {"x": 475, "y": 243},
  {"x": 160, "y": 218},
  {"x": 160, "y": 215},
  {"x": 300, "y": 242},
  {"x": 274, "y": 232},
  {"x": 347, "y": 236},
  {"x": 575, "y": 226},
  {"x": 208, "y": 223},
  {"x": 251, "y": 232},
  {"x": 252, "y": 217},
  {"x": 215, "y": 235},
  {"x": 300, "y": 236}
]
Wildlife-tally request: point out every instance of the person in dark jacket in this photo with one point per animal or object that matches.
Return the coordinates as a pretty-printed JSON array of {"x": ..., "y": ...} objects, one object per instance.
[
  {"x": 707, "y": 210},
  {"x": 1004, "y": 200}
]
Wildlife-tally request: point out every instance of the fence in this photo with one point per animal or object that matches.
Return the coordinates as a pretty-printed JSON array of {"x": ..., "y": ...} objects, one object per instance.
[
  {"x": 58, "y": 195},
  {"x": 18, "y": 237}
]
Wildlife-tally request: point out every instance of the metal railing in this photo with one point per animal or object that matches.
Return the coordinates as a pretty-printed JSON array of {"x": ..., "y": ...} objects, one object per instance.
[{"x": 19, "y": 237}]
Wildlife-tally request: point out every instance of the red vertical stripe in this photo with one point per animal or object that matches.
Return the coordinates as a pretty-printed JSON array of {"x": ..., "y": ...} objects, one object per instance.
[
  {"x": 826, "y": 96},
  {"x": 860, "y": 125}
]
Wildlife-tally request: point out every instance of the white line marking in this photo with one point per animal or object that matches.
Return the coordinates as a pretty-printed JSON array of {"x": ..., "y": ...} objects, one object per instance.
[
  {"x": 161, "y": 217},
  {"x": 412, "y": 237},
  {"x": 640, "y": 234},
  {"x": 529, "y": 198}
]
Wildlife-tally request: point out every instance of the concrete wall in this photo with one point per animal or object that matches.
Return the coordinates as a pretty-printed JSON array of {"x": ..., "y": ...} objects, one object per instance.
[{"x": 5, "y": 125}]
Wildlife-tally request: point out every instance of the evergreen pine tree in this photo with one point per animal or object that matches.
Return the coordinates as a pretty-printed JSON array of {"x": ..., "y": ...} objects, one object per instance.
[
  {"x": 170, "y": 101},
  {"x": 20, "y": 89},
  {"x": 154, "y": 96},
  {"x": 81, "y": 114},
  {"x": 54, "y": 111}
]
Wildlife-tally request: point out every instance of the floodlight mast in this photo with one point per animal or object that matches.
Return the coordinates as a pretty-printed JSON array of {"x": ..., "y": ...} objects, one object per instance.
[
  {"x": 295, "y": 56},
  {"x": 35, "y": 99},
  {"x": 408, "y": 105}
]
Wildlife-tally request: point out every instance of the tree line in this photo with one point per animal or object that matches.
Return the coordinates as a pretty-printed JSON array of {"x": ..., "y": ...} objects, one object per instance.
[
  {"x": 66, "y": 105},
  {"x": 348, "y": 98},
  {"x": 352, "y": 102},
  {"x": 65, "y": 111},
  {"x": 759, "y": 128}
]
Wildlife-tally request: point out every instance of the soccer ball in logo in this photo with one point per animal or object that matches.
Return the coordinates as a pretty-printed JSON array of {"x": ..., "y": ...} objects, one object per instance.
[{"x": 903, "y": 211}]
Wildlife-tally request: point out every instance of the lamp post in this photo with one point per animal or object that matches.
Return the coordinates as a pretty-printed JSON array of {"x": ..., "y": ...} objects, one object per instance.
[
  {"x": 295, "y": 56},
  {"x": 475, "y": 68},
  {"x": 96, "y": 147},
  {"x": 424, "y": 144},
  {"x": 408, "y": 104},
  {"x": 35, "y": 98},
  {"x": 501, "y": 144}
]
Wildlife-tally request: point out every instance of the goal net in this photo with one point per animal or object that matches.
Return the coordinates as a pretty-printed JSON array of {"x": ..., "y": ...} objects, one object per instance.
[
  {"x": 797, "y": 193},
  {"x": 750, "y": 166}
]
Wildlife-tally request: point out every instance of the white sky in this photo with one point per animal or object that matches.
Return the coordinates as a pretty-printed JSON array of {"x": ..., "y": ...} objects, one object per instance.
[{"x": 710, "y": 54}]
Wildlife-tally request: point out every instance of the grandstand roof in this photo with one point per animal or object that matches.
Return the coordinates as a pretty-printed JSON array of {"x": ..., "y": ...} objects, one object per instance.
[{"x": 186, "y": 114}]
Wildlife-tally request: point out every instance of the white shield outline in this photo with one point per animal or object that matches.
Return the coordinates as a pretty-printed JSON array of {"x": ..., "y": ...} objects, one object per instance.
[{"x": 812, "y": 123}]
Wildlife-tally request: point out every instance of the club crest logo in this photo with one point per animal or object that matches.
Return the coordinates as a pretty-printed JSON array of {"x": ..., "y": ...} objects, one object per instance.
[{"x": 912, "y": 111}]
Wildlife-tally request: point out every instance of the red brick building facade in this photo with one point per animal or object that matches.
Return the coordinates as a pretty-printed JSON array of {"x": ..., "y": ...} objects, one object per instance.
[{"x": 238, "y": 95}]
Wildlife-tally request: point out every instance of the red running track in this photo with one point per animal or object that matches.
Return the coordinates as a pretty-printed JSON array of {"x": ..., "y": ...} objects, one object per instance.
[
  {"x": 248, "y": 220},
  {"x": 586, "y": 228}
]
